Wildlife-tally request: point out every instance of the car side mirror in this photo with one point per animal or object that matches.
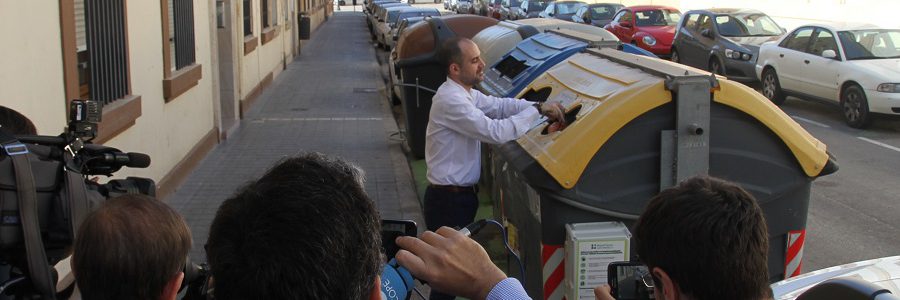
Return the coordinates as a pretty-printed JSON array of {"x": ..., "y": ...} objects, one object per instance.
[
  {"x": 624, "y": 24},
  {"x": 706, "y": 33},
  {"x": 830, "y": 54}
]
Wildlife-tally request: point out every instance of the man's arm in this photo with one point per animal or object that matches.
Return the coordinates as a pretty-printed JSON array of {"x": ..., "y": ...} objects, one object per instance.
[
  {"x": 462, "y": 116},
  {"x": 453, "y": 263},
  {"x": 498, "y": 108}
]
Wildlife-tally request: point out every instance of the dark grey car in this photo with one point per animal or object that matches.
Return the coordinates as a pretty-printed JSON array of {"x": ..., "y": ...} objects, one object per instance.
[
  {"x": 597, "y": 14},
  {"x": 724, "y": 40},
  {"x": 509, "y": 9}
]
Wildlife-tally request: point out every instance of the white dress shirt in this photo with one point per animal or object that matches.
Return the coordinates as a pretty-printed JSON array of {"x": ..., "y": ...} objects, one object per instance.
[{"x": 459, "y": 121}]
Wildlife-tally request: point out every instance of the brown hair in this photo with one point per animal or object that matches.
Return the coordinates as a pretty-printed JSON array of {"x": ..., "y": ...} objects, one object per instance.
[
  {"x": 129, "y": 248},
  {"x": 709, "y": 236}
]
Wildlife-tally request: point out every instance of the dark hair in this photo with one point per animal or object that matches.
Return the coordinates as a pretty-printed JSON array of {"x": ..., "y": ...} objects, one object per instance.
[
  {"x": 129, "y": 248},
  {"x": 305, "y": 230},
  {"x": 15, "y": 123},
  {"x": 709, "y": 236},
  {"x": 450, "y": 52}
]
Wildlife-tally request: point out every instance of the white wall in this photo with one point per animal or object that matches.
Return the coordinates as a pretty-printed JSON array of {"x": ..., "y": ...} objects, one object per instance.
[
  {"x": 31, "y": 78},
  {"x": 165, "y": 131}
]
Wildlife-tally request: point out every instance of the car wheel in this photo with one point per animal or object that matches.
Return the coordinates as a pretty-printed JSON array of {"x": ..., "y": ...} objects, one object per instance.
[
  {"x": 771, "y": 88},
  {"x": 716, "y": 67},
  {"x": 675, "y": 57},
  {"x": 855, "y": 107}
]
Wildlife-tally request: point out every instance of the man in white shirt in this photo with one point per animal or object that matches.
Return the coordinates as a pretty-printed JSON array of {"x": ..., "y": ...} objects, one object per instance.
[{"x": 460, "y": 119}]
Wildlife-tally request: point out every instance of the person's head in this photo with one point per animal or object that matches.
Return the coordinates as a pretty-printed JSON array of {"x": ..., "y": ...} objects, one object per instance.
[
  {"x": 15, "y": 123},
  {"x": 305, "y": 230},
  {"x": 462, "y": 58},
  {"x": 705, "y": 239},
  {"x": 132, "y": 247}
]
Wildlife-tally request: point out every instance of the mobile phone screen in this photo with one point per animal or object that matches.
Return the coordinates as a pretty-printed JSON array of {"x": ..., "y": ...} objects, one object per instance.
[
  {"x": 390, "y": 230},
  {"x": 632, "y": 282}
]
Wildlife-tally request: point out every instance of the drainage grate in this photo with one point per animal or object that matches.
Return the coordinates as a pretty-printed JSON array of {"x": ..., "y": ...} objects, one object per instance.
[{"x": 365, "y": 90}]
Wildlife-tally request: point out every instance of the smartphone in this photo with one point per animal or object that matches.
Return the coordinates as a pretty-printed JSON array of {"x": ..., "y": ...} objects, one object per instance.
[
  {"x": 630, "y": 280},
  {"x": 390, "y": 230}
]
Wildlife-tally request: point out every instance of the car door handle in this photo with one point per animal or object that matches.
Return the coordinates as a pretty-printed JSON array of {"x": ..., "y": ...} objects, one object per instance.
[
  {"x": 781, "y": 55},
  {"x": 806, "y": 61}
]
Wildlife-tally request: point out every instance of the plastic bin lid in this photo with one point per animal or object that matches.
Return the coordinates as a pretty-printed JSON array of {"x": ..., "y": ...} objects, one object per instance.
[{"x": 621, "y": 93}]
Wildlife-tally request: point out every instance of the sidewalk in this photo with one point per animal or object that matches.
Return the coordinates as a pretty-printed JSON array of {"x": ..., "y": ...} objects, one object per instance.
[{"x": 331, "y": 99}]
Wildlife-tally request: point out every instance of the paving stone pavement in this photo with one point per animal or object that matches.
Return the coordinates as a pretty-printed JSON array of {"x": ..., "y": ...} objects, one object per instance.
[{"x": 331, "y": 99}]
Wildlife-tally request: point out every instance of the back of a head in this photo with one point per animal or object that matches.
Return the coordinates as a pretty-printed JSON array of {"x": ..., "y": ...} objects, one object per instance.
[
  {"x": 129, "y": 248},
  {"x": 15, "y": 123},
  {"x": 709, "y": 236},
  {"x": 305, "y": 230}
]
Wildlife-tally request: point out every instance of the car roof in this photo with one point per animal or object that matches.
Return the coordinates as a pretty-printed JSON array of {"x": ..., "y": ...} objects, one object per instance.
[
  {"x": 726, "y": 11},
  {"x": 421, "y": 9},
  {"x": 650, "y": 7},
  {"x": 842, "y": 26},
  {"x": 605, "y": 4}
]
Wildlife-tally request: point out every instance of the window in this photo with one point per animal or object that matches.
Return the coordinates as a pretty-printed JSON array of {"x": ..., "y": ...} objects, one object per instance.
[
  {"x": 691, "y": 21},
  {"x": 269, "y": 11},
  {"x": 248, "y": 18},
  {"x": 799, "y": 40},
  {"x": 705, "y": 23},
  {"x": 824, "y": 40},
  {"x": 95, "y": 61},
  {"x": 602, "y": 12},
  {"x": 102, "y": 54},
  {"x": 180, "y": 33},
  {"x": 180, "y": 72}
]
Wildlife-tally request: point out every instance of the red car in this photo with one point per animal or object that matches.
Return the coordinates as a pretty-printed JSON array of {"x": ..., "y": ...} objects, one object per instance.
[{"x": 651, "y": 27}]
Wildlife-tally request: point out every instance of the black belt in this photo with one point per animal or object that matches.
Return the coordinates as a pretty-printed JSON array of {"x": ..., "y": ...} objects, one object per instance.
[{"x": 455, "y": 188}]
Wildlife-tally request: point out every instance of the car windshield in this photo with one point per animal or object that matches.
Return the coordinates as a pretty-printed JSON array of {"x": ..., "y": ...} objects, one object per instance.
[
  {"x": 871, "y": 44},
  {"x": 514, "y": 3},
  {"x": 392, "y": 16},
  {"x": 751, "y": 24},
  {"x": 602, "y": 12},
  {"x": 567, "y": 7},
  {"x": 657, "y": 17},
  {"x": 536, "y": 5}
]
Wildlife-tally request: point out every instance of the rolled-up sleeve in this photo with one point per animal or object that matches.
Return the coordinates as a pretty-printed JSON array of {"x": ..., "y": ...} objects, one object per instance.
[{"x": 466, "y": 119}]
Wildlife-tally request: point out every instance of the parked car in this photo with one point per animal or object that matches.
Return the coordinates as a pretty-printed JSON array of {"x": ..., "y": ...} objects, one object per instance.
[
  {"x": 379, "y": 14},
  {"x": 394, "y": 21},
  {"x": 509, "y": 9},
  {"x": 531, "y": 9},
  {"x": 854, "y": 65},
  {"x": 494, "y": 9},
  {"x": 464, "y": 6},
  {"x": 880, "y": 274},
  {"x": 562, "y": 10},
  {"x": 480, "y": 7},
  {"x": 597, "y": 14},
  {"x": 651, "y": 27},
  {"x": 397, "y": 90},
  {"x": 724, "y": 41}
]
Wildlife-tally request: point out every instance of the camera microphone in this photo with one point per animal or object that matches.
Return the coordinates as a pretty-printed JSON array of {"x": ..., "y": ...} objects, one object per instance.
[{"x": 129, "y": 159}]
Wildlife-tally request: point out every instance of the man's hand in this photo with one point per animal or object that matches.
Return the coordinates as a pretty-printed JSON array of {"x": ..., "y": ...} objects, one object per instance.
[
  {"x": 554, "y": 111},
  {"x": 450, "y": 262},
  {"x": 603, "y": 292}
]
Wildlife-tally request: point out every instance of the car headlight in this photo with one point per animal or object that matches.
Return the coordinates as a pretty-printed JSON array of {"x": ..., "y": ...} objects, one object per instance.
[
  {"x": 732, "y": 54},
  {"x": 889, "y": 88},
  {"x": 649, "y": 40}
]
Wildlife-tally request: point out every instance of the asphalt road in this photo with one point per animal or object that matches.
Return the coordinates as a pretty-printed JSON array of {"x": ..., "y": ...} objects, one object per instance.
[{"x": 853, "y": 213}]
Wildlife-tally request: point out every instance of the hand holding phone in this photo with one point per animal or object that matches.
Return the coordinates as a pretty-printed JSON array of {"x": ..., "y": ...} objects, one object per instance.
[
  {"x": 390, "y": 230},
  {"x": 630, "y": 280}
]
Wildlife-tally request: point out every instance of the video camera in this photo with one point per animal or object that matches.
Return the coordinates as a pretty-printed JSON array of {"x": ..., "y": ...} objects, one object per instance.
[{"x": 45, "y": 194}]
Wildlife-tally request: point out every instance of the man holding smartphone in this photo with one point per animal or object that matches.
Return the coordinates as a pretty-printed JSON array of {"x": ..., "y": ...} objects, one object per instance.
[{"x": 703, "y": 239}]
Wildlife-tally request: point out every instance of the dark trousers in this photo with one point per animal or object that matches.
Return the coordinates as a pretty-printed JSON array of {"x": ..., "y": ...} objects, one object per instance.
[{"x": 444, "y": 207}]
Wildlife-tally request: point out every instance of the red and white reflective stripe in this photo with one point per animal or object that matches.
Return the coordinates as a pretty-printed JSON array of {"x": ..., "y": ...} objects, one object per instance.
[
  {"x": 554, "y": 271},
  {"x": 793, "y": 261}
]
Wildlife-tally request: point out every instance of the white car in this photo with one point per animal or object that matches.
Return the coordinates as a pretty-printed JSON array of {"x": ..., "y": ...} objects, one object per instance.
[
  {"x": 854, "y": 65},
  {"x": 873, "y": 277}
]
